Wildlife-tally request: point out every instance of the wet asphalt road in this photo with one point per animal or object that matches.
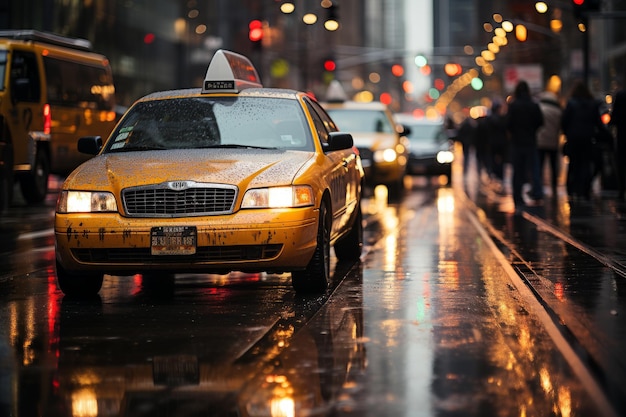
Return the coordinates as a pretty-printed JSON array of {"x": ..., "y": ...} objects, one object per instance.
[{"x": 458, "y": 308}]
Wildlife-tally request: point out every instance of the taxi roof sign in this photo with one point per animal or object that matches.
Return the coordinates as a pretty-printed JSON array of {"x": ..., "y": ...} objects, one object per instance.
[
  {"x": 335, "y": 93},
  {"x": 230, "y": 72}
]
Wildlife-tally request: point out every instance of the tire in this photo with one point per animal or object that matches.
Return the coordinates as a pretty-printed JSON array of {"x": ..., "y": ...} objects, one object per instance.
[
  {"x": 83, "y": 285},
  {"x": 34, "y": 185},
  {"x": 6, "y": 176},
  {"x": 314, "y": 279},
  {"x": 349, "y": 247},
  {"x": 396, "y": 188}
]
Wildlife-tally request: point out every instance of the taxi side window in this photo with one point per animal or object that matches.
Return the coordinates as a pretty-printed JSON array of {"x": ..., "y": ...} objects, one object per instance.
[
  {"x": 72, "y": 84},
  {"x": 25, "y": 85},
  {"x": 3, "y": 68},
  {"x": 323, "y": 123}
]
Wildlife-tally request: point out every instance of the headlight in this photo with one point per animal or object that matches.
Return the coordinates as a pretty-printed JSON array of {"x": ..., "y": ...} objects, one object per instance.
[
  {"x": 445, "y": 157},
  {"x": 86, "y": 202},
  {"x": 275, "y": 197},
  {"x": 385, "y": 155}
]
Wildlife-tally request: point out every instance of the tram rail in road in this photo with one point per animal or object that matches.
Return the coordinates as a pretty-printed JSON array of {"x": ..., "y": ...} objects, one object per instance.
[{"x": 589, "y": 352}]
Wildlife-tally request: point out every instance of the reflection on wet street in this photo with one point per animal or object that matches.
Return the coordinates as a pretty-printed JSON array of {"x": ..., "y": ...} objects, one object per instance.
[
  {"x": 446, "y": 334},
  {"x": 573, "y": 256},
  {"x": 432, "y": 322}
]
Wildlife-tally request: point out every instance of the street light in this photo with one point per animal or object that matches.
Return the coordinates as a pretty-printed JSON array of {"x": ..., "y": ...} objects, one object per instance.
[
  {"x": 521, "y": 33},
  {"x": 331, "y": 24},
  {"x": 541, "y": 7},
  {"x": 452, "y": 69}
]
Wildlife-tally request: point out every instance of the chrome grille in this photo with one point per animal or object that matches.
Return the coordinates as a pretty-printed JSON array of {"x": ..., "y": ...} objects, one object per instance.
[{"x": 196, "y": 199}]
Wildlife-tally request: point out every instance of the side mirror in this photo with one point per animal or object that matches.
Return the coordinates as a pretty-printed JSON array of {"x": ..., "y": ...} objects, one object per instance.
[
  {"x": 339, "y": 140},
  {"x": 90, "y": 145}
]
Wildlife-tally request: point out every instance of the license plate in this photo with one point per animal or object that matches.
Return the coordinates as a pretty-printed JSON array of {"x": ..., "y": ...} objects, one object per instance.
[{"x": 173, "y": 240}]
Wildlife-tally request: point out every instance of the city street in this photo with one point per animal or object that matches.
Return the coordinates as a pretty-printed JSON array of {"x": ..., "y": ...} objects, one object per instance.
[
  {"x": 370, "y": 173},
  {"x": 457, "y": 308}
]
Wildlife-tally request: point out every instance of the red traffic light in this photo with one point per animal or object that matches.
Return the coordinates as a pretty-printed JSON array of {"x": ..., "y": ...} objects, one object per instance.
[
  {"x": 330, "y": 65},
  {"x": 255, "y": 33},
  {"x": 582, "y": 7}
]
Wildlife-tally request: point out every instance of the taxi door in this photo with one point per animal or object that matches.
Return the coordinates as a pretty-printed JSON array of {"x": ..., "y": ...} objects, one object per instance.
[{"x": 344, "y": 177}]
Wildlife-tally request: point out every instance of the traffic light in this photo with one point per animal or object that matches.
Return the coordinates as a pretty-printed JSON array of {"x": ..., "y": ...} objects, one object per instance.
[
  {"x": 255, "y": 32},
  {"x": 330, "y": 65},
  {"x": 582, "y": 7}
]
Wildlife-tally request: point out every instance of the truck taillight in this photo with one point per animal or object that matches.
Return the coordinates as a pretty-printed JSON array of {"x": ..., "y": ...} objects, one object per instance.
[{"x": 47, "y": 119}]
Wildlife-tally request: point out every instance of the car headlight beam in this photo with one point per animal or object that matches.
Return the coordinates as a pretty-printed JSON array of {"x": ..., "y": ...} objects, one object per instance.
[
  {"x": 386, "y": 155},
  {"x": 86, "y": 202},
  {"x": 445, "y": 157},
  {"x": 278, "y": 197}
]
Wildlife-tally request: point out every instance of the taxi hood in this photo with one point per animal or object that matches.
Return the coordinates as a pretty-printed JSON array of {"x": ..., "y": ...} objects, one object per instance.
[{"x": 244, "y": 168}]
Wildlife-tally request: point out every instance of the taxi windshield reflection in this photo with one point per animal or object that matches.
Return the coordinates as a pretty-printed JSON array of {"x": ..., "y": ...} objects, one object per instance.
[{"x": 193, "y": 123}]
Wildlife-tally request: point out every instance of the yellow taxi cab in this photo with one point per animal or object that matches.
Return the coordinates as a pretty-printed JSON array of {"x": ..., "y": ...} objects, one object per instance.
[
  {"x": 228, "y": 177},
  {"x": 53, "y": 90},
  {"x": 382, "y": 144}
]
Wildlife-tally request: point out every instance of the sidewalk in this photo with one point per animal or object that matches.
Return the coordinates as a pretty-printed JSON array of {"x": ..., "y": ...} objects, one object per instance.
[{"x": 596, "y": 226}]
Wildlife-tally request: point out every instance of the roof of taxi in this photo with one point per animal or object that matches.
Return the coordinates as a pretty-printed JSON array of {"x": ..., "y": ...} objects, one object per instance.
[{"x": 249, "y": 92}]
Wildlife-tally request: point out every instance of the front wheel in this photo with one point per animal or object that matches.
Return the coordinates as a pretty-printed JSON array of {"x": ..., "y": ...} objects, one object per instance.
[
  {"x": 74, "y": 284},
  {"x": 6, "y": 175},
  {"x": 349, "y": 247},
  {"x": 314, "y": 279},
  {"x": 34, "y": 185}
]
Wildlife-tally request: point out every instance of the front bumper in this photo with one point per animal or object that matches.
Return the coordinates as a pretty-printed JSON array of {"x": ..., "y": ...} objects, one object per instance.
[
  {"x": 276, "y": 240},
  {"x": 382, "y": 172},
  {"x": 428, "y": 166}
]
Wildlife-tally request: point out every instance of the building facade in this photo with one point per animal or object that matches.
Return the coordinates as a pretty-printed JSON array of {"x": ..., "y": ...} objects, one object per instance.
[{"x": 165, "y": 44}]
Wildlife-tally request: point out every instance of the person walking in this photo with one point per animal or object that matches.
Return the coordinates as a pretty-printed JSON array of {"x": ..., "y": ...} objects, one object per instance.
[
  {"x": 524, "y": 117},
  {"x": 548, "y": 136},
  {"x": 580, "y": 123},
  {"x": 466, "y": 135},
  {"x": 498, "y": 143},
  {"x": 618, "y": 120}
]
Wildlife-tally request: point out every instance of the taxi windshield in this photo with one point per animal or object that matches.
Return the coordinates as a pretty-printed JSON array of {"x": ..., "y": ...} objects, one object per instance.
[
  {"x": 213, "y": 122},
  {"x": 426, "y": 133},
  {"x": 369, "y": 121}
]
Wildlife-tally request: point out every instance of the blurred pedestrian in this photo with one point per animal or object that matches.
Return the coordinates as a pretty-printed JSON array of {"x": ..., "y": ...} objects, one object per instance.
[
  {"x": 618, "y": 119},
  {"x": 580, "y": 123},
  {"x": 495, "y": 124},
  {"x": 524, "y": 117},
  {"x": 466, "y": 134},
  {"x": 548, "y": 136},
  {"x": 483, "y": 148}
]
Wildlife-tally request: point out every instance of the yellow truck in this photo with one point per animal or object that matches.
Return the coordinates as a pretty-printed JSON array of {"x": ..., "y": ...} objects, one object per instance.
[{"x": 53, "y": 90}]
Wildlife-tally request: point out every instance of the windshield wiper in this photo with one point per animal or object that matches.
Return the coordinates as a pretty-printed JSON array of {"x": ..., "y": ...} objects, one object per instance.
[{"x": 138, "y": 148}]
